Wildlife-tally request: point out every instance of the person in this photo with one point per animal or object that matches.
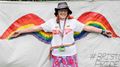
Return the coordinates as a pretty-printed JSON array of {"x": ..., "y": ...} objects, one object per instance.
[{"x": 63, "y": 47}]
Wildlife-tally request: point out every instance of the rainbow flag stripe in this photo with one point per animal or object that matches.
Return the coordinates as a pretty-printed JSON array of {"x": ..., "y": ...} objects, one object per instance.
[{"x": 97, "y": 20}]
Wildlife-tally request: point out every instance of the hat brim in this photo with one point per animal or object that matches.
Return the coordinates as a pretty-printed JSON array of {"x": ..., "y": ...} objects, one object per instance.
[{"x": 69, "y": 11}]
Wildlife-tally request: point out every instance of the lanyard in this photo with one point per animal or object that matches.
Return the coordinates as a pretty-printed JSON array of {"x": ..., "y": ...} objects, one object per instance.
[
  {"x": 62, "y": 33},
  {"x": 62, "y": 48}
]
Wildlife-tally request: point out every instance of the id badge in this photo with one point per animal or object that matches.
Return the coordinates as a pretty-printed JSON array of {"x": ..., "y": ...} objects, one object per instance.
[{"x": 61, "y": 49}]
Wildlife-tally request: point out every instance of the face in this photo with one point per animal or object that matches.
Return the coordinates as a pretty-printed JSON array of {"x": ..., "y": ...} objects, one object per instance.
[{"x": 62, "y": 13}]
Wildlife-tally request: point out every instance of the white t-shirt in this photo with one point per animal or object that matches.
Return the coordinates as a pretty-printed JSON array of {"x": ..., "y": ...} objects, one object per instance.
[{"x": 71, "y": 26}]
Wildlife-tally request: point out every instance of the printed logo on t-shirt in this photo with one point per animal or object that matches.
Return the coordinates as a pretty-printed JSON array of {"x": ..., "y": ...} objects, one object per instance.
[
  {"x": 56, "y": 30},
  {"x": 67, "y": 29}
]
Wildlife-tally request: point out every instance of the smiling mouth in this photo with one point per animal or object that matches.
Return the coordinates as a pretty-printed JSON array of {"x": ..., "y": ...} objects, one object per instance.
[{"x": 62, "y": 14}]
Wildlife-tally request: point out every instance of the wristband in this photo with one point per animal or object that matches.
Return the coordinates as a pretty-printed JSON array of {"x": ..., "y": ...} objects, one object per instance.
[{"x": 103, "y": 32}]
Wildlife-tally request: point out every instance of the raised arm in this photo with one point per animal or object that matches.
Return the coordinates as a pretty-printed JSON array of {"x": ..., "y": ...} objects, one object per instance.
[
  {"x": 106, "y": 33},
  {"x": 27, "y": 30}
]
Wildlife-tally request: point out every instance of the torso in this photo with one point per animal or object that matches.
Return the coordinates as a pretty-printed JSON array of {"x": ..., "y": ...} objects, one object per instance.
[
  {"x": 71, "y": 26},
  {"x": 63, "y": 35}
]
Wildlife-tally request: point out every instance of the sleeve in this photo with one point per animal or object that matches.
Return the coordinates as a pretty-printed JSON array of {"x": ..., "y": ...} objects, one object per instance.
[
  {"x": 46, "y": 26},
  {"x": 78, "y": 26}
]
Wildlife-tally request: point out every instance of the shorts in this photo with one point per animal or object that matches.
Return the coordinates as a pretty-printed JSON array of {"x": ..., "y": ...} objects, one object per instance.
[{"x": 64, "y": 61}]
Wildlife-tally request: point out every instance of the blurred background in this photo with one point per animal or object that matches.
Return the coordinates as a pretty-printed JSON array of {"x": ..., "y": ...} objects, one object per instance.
[{"x": 59, "y": 0}]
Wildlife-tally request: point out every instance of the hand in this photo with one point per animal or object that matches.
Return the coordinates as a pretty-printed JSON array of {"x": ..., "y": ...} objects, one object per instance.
[
  {"x": 107, "y": 33},
  {"x": 15, "y": 34},
  {"x": 51, "y": 48}
]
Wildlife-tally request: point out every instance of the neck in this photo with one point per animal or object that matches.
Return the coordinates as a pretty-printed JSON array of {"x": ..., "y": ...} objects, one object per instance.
[{"x": 62, "y": 18}]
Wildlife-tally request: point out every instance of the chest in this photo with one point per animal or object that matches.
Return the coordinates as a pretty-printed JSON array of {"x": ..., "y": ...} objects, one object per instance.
[{"x": 62, "y": 27}]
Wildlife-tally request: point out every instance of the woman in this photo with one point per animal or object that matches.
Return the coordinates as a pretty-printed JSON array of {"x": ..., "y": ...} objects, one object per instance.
[{"x": 63, "y": 46}]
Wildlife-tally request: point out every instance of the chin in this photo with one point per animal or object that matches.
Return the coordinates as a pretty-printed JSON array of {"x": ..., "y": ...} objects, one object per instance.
[{"x": 63, "y": 17}]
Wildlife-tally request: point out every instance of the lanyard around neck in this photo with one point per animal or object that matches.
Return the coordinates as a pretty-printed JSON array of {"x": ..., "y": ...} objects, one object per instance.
[{"x": 62, "y": 33}]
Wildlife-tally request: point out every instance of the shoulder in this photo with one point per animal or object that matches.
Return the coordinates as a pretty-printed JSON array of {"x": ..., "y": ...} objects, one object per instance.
[
  {"x": 74, "y": 21},
  {"x": 51, "y": 20},
  {"x": 71, "y": 19}
]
